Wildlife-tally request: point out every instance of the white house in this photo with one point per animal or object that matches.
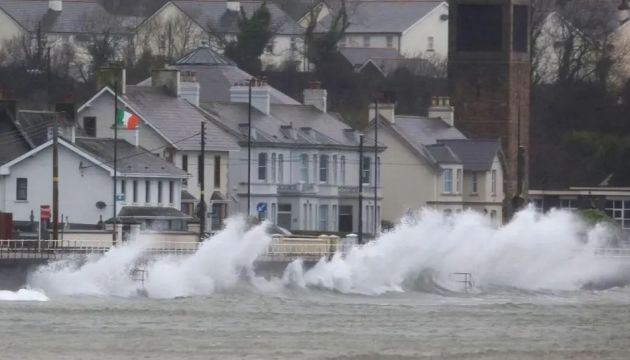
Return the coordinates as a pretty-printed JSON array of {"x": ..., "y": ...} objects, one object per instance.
[
  {"x": 414, "y": 28},
  {"x": 305, "y": 163},
  {"x": 149, "y": 187},
  {"x": 430, "y": 163},
  {"x": 179, "y": 26},
  {"x": 169, "y": 126}
]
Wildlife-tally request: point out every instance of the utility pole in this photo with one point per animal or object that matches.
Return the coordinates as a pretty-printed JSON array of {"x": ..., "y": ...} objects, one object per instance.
[
  {"x": 360, "y": 189},
  {"x": 55, "y": 210},
  {"x": 202, "y": 181},
  {"x": 249, "y": 150},
  {"x": 48, "y": 79},
  {"x": 115, "y": 233},
  {"x": 376, "y": 165}
]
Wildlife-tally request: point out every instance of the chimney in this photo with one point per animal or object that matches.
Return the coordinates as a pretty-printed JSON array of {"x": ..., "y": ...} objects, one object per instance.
[
  {"x": 166, "y": 79},
  {"x": 316, "y": 96},
  {"x": 66, "y": 105},
  {"x": 189, "y": 87},
  {"x": 234, "y": 6},
  {"x": 624, "y": 12},
  {"x": 55, "y": 5},
  {"x": 107, "y": 76},
  {"x": 386, "y": 108},
  {"x": 441, "y": 108},
  {"x": 66, "y": 127},
  {"x": 132, "y": 136},
  {"x": 261, "y": 100}
]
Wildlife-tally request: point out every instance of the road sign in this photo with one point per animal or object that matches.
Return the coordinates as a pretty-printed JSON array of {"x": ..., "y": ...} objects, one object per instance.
[
  {"x": 44, "y": 212},
  {"x": 120, "y": 197},
  {"x": 261, "y": 207}
]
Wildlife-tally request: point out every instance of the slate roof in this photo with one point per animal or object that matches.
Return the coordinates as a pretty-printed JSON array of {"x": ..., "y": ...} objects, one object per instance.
[
  {"x": 286, "y": 124},
  {"x": 359, "y": 56},
  {"x": 442, "y": 154},
  {"x": 386, "y": 60},
  {"x": 12, "y": 143},
  {"x": 384, "y": 16},
  {"x": 75, "y": 17},
  {"x": 177, "y": 119},
  {"x": 187, "y": 197},
  {"x": 34, "y": 125},
  {"x": 215, "y": 77},
  {"x": 296, "y": 9},
  {"x": 131, "y": 159},
  {"x": 215, "y": 17},
  {"x": 475, "y": 154}
]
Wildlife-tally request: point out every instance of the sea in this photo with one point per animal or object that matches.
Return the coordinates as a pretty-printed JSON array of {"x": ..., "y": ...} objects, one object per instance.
[{"x": 537, "y": 290}]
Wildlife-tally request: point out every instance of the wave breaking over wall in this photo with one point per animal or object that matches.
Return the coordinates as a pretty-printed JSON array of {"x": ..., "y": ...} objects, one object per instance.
[{"x": 554, "y": 252}]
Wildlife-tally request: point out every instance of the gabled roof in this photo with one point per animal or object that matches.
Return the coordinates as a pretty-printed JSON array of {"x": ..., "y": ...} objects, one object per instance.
[
  {"x": 475, "y": 154},
  {"x": 34, "y": 125},
  {"x": 12, "y": 142},
  {"x": 75, "y": 16},
  {"x": 296, "y": 9},
  {"x": 395, "y": 17},
  {"x": 358, "y": 56},
  {"x": 132, "y": 160},
  {"x": 442, "y": 154},
  {"x": 175, "y": 120},
  {"x": 386, "y": 60},
  {"x": 293, "y": 125},
  {"x": 216, "y": 78},
  {"x": 214, "y": 16}
]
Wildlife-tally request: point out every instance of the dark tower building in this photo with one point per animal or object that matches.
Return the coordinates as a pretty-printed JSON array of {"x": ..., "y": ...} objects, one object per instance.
[{"x": 489, "y": 80}]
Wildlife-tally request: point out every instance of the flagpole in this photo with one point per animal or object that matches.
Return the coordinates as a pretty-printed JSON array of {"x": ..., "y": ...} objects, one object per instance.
[{"x": 114, "y": 234}]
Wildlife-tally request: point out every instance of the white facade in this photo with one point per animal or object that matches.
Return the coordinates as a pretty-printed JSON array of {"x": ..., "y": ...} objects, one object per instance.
[
  {"x": 303, "y": 193},
  {"x": 427, "y": 37},
  {"x": 26, "y": 184}
]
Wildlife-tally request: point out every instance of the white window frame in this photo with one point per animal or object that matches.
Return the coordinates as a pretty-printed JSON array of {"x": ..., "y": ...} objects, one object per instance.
[
  {"x": 273, "y": 167},
  {"x": 324, "y": 161},
  {"x": 389, "y": 39},
  {"x": 474, "y": 183},
  {"x": 493, "y": 184},
  {"x": 458, "y": 181},
  {"x": 304, "y": 168},
  {"x": 262, "y": 166},
  {"x": 334, "y": 169},
  {"x": 366, "y": 174},
  {"x": 366, "y": 41},
  {"x": 342, "y": 169},
  {"x": 447, "y": 181},
  {"x": 323, "y": 218},
  {"x": 280, "y": 169},
  {"x": 315, "y": 170},
  {"x": 430, "y": 43}
]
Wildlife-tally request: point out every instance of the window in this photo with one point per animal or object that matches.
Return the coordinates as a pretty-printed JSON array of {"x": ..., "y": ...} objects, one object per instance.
[
  {"x": 493, "y": 188},
  {"x": 520, "y": 28},
  {"x": 365, "y": 170},
  {"x": 323, "y": 168},
  {"x": 305, "y": 224},
  {"x": 159, "y": 192},
  {"x": 293, "y": 43},
  {"x": 342, "y": 175},
  {"x": 269, "y": 46},
  {"x": 342, "y": 41},
  {"x": 448, "y": 212},
  {"x": 334, "y": 218},
  {"x": 334, "y": 169},
  {"x": 89, "y": 126},
  {"x": 217, "y": 172},
  {"x": 21, "y": 190},
  {"x": 458, "y": 181},
  {"x": 474, "y": 183},
  {"x": 123, "y": 188},
  {"x": 323, "y": 217},
  {"x": 390, "y": 41},
  {"x": 448, "y": 181},
  {"x": 135, "y": 191},
  {"x": 493, "y": 217},
  {"x": 620, "y": 211},
  {"x": 171, "y": 192},
  {"x": 274, "y": 213},
  {"x": 314, "y": 169},
  {"x": 262, "y": 166},
  {"x": 479, "y": 27},
  {"x": 304, "y": 168},
  {"x": 568, "y": 204},
  {"x": 280, "y": 168},
  {"x": 273, "y": 168},
  {"x": 147, "y": 191},
  {"x": 377, "y": 170},
  {"x": 538, "y": 205},
  {"x": 310, "y": 217},
  {"x": 185, "y": 168},
  {"x": 366, "y": 41},
  {"x": 430, "y": 45}
]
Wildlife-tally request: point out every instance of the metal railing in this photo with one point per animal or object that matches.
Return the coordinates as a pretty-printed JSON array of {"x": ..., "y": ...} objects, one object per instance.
[
  {"x": 59, "y": 248},
  {"x": 307, "y": 247}
]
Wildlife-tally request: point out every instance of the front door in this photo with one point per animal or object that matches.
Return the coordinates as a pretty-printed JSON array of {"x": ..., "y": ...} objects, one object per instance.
[
  {"x": 284, "y": 216},
  {"x": 345, "y": 218},
  {"x": 218, "y": 214}
]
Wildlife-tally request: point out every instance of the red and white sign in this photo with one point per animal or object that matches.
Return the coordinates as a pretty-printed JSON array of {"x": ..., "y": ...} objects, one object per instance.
[{"x": 44, "y": 212}]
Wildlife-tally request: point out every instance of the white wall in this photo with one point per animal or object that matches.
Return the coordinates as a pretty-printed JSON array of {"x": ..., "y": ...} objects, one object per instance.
[
  {"x": 193, "y": 186},
  {"x": 414, "y": 41},
  {"x": 153, "y": 192},
  {"x": 79, "y": 191}
]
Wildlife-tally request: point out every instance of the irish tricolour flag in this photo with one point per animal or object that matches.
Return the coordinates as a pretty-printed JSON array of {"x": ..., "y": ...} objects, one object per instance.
[{"x": 126, "y": 119}]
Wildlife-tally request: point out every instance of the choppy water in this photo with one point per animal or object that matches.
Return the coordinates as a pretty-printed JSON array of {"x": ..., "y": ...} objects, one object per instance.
[{"x": 393, "y": 299}]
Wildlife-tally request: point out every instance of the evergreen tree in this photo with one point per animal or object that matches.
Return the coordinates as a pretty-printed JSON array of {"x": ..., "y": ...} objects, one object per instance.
[{"x": 254, "y": 34}]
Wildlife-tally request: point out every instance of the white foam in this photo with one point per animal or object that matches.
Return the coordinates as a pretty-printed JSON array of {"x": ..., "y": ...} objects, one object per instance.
[{"x": 23, "y": 295}]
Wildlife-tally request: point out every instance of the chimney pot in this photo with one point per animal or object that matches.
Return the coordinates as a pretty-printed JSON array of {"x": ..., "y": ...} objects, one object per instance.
[{"x": 55, "y": 5}]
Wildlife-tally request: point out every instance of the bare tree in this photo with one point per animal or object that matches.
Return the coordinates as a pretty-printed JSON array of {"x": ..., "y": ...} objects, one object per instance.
[{"x": 171, "y": 37}]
